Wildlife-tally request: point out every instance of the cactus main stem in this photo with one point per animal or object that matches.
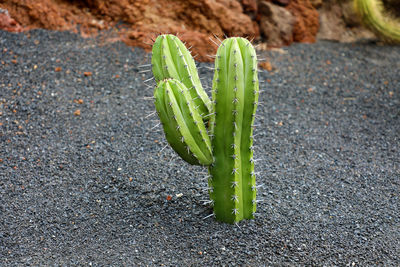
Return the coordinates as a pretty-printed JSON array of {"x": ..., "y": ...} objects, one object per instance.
[{"x": 235, "y": 95}]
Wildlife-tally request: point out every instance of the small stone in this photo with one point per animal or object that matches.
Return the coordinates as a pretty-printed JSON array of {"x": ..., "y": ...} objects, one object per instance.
[{"x": 265, "y": 65}]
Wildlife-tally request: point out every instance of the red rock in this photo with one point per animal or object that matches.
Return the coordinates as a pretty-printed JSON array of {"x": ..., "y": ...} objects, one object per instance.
[
  {"x": 7, "y": 23},
  {"x": 276, "y": 24},
  {"x": 195, "y": 21},
  {"x": 250, "y": 8},
  {"x": 306, "y": 24}
]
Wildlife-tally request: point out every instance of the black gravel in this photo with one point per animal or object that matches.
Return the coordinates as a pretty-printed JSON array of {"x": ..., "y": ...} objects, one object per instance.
[{"x": 99, "y": 188}]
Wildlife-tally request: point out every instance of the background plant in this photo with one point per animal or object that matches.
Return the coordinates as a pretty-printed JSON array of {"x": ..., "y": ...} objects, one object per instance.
[{"x": 375, "y": 17}]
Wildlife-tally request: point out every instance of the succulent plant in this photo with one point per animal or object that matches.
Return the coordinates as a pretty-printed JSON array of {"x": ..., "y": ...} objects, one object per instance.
[
  {"x": 217, "y": 133},
  {"x": 375, "y": 17}
]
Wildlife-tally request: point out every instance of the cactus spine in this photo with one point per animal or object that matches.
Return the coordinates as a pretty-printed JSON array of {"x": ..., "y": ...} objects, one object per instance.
[
  {"x": 374, "y": 17},
  {"x": 229, "y": 153}
]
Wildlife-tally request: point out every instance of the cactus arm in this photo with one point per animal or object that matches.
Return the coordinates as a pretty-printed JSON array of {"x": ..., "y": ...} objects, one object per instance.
[
  {"x": 235, "y": 94},
  {"x": 190, "y": 122},
  {"x": 170, "y": 126},
  {"x": 182, "y": 123},
  {"x": 171, "y": 59},
  {"x": 374, "y": 16}
]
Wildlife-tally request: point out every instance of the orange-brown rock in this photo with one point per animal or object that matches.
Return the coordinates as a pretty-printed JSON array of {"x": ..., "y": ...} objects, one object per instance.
[
  {"x": 306, "y": 23},
  {"x": 276, "y": 24},
  {"x": 137, "y": 22},
  {"x": 250, "y": 7},
  {"x": 7, "y": 23},
  {"x": 194, "y": 20}
]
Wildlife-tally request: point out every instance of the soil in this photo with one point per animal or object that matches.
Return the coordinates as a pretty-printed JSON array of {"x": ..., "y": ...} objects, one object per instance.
[{"x": 86, "y": 178}]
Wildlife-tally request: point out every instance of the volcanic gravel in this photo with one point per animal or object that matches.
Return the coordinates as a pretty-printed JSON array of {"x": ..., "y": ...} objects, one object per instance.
[{"x": 86, "y": 177}]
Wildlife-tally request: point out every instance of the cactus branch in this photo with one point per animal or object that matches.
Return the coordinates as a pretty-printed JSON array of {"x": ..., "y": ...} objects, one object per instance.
[{"x": 183, "y": 126}]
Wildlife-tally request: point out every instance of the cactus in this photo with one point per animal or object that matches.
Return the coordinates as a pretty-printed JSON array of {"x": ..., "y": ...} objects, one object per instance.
[
  {"x": 229, "y": 153},
  {"x": 374, "y": 17}
]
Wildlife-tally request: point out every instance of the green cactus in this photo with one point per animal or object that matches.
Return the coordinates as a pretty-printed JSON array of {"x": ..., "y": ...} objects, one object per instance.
[
  {"x": 229, "y": 154},
  {"x": 374, "y": 17}
]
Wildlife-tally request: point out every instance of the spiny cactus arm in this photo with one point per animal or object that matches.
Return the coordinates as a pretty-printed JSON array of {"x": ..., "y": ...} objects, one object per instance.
[
  {"x": 183, "y": 126},
  {"x": 170, "y": 126},
  {"x": 171, "y": 59},
  {"x": 235, "y": 95},
  {"x": 372, "y": 14}
]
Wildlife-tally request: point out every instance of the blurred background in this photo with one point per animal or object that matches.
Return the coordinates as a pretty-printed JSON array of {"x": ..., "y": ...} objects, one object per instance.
[{"x": 273, "y": 23}]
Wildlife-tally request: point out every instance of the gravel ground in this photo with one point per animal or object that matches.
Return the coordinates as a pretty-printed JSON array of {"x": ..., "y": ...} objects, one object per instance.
[{"x": 85, "y": 178}]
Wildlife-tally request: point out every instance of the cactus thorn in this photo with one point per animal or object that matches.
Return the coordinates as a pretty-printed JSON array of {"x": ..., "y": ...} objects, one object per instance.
[
  {"x": 234, "y": 184},
  {"x": 149, "y": 79},
  {"x": 235, "y": 198},
  {"x": 208, "y": 216},
  {"x": 145, "y": 65},
  {"x": 155, "y": 126}
]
